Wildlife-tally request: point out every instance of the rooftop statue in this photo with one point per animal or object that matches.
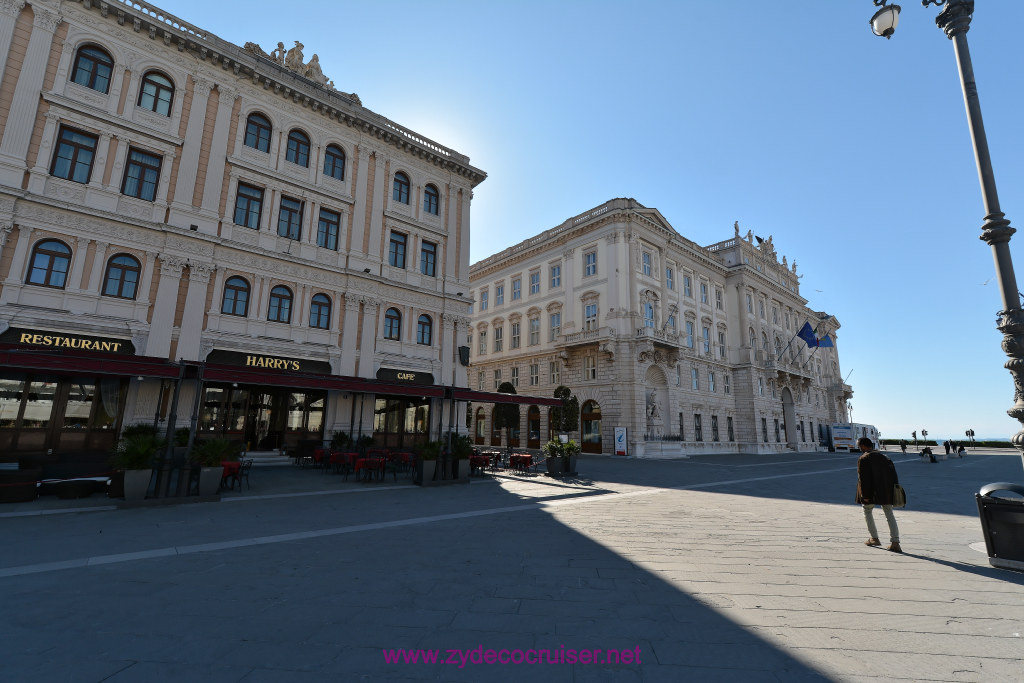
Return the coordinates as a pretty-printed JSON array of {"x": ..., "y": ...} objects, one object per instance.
[{"x": 293, "y": 61}]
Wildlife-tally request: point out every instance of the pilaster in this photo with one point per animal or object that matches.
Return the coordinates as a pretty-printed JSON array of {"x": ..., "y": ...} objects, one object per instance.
[
  {"x": 195, "y": 301},
  {"x": 159, "y": 343}
]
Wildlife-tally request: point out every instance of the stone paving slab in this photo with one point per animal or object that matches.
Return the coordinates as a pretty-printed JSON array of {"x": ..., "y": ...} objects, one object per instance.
[{"x": 717, "y": 568}]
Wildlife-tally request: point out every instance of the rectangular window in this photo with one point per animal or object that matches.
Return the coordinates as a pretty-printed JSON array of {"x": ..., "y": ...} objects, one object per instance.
[
  {"x": 775, "y": 315},
  {"x": 764, "y": 428},
  {"x": 483, "y": 299},
  {"x": 534, "y": 283},
  {"x": 482, "y": 347},
  {"x": 778, "y": 433},
  {"x": 498, "y": 340},
  {"x": 703, "y": 292},
  {"x": 515, "y": 377},
  {"x": 248, "y": 206},
  {"x": 513, "y": 342},
  {"x": 396, "y": 251},
  {"x": 682, "y": 428},
  {"x": 721, "y": 344},
  {"x": 74, "y": 156},
  {"x": 556, "y": 276},
  {"x": 760, "y": 307},
  {"x": 289, "y": 218},
  {"x": 694, "y": 379},
  {"x": 590, "y": 263},
  {"x": 499, "y": 294},
  {"x": 590, "y": 317},
  {"x": 718, "y": 301},
  {"x": 534, "y": 331},
  {"x": 689, "y": 334},
  {"x": 141, "y": 175},
  {"x": 725, "y": 385},
  {"x": 556, "y": 325},
  {"x": 714, "y": 428},
  {"x": 428, "y": 259},
  {"x": 698, "y": 432},
  {"x": 480, "y": 381},
  {"x": 760, "y": 386},
  {"x": 555, "y": 372},
  {"x": 687, "y": 286},
  {"x": 711, "y": 381},
  {"x": 327, "y": 230},
  {"x": 534, "y": 374},
  {"x": 646, "y": 260},
  {"x": 731, "y": 430},
  {"x": 497, "y": 379},
  {"x": 669, "y": 279},
  {"x": 705, "y": 334},
  {"x": 517, "y": 289},
  {"x": 589, "y": 368},
  {"x": 750, "y": 304}
]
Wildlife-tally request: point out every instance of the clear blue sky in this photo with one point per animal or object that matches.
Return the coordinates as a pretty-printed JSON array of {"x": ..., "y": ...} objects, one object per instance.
[{"x": 851, "y": 150}]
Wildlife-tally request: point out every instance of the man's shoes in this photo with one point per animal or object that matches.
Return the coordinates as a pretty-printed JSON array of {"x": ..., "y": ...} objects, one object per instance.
[
  {"x": 895, "y": 548},
  {"x": 872, "y": 542}
]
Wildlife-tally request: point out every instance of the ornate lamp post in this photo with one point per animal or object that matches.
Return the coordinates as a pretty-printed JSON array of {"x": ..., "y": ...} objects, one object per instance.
[{"x": 999, "y": 517}]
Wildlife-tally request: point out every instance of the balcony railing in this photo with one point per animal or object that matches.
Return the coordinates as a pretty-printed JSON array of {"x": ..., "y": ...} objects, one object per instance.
[{"x": 658, "y": 335}]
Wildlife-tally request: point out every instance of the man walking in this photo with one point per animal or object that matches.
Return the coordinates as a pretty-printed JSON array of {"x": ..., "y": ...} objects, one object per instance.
[{"x": 876, "y": 478}]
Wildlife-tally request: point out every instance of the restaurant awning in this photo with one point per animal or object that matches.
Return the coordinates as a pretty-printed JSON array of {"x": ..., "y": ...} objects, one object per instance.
[
  {"x": 87, "y": 363},
  {"x": 461, "y": 394},
  {"x": 214, "y": 372}
]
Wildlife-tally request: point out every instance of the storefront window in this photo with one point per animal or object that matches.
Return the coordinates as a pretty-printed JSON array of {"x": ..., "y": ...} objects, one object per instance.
[
  {"x": 11, "y": 391},
  {"x": 296, "y": 409},
  {"x": 235, "y": 421},
  {"x": 39, "y": 406},
  {"x": 211, "y": 410},
  {"x": 109, "y": 405},
  {"x": 316, "y": 415},
  {"x": 79, "y": 405}
]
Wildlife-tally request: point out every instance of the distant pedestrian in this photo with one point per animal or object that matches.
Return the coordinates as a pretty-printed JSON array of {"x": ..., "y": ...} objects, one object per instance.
[
  {"x": 876, "y": 478},
  {"x": 903, "y": 446},
  {"x": 946, "y": 444},
  {"x": 960, "y": 451}
]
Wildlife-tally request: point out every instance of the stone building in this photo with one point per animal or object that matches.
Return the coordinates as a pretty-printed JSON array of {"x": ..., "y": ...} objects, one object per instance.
[
  {"x": 180, "y": 212},
  {"x": 691, "y": 349}
]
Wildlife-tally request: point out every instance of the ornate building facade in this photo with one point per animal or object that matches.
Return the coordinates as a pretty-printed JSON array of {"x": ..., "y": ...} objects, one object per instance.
[
  {"x": 691, "y": 349},
  {"x": 174, "y": 207}
]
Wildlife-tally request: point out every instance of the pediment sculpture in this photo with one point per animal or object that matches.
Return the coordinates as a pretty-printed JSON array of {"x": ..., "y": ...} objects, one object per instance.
[{"x": 292, "y": 59}]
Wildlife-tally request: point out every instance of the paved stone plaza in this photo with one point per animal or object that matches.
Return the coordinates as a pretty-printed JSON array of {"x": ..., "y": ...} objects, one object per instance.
[{"x": 725, "y": 568}]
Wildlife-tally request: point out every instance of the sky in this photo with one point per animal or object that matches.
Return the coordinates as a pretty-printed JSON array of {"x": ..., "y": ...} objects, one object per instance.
[{"x": 852, "y": 151}]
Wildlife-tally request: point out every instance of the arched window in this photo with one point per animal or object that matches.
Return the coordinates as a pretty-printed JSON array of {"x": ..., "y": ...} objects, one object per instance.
[
  {"x": 400, "y": 189},
  {"x": 424, "y": 330},
  {"x": 431, "y": 199},
  {"x": 122, "y": 277},
  {"x": 590, "y": 427},
  {"x": 280, "y": 310},
  {"x": 49, "y": 264},
  {"x": 257, "y": 132},
  {"x": 320, "y": 312},
  {"x": 236, "y": 297},
  {"x": 334, "y": 162},
  {"x": 298, "y": 148},
  {"x": 393, "y": 324},
  {"x": 92, "y": 68},
  {"x": 157, "y": 93}
]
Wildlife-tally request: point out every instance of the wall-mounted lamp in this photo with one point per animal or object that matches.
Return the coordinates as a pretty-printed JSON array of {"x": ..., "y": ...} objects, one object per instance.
[
  {"x": 234, "y": 385},
  {"x": 139, "y": 378},
  {"x": 366, "y": 270}
]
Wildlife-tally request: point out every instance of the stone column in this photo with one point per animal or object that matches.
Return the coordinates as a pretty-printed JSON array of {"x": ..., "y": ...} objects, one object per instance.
[
  {"x": 78, "y": 264},
  {"x": 96, "y": 272},
  {"x": 376, "y": 208},
  {"x": 184, "y": 187},
  {"x": 191, "y": 333},
  {"x": 363, "y": 197},
  {"x": 21, "y": 118},
  {"x": 147, "y": 277},
  {"x": 9, "y": 11},
  {"x": 368, "y": 341},
  {"x": 571, "y": 310},
  {"x": 5, "y": 231},
  {"x": 447, "y": 347},
  {"x": 18, "y": 261},
  {"x": 349, "y": 327},
  {"x": 218, "y": 153},
  {"x": 159, "y": 343}
]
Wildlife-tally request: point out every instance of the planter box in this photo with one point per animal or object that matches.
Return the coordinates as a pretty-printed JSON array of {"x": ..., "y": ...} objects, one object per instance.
[
  {"x": 463, "y": 471},
  {"x": 1002, "y": 523},
  {"x": 425, "y": 472},
  {"x": 556, "y": 466},
  {"x": 136, "y": 483},
  {"x": 209, "y": 480}
]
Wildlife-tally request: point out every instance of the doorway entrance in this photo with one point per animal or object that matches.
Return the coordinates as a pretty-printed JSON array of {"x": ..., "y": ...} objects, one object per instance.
[
  {"x": 262, "y": 418},
  {"x": 788, "y": 418}
]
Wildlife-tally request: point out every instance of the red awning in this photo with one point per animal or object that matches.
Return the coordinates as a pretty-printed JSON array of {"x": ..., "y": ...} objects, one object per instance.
[
  {"x": 300, "y": 380},
  {"x": 88, "y": 364},
  {"x": 494, "y": 397}
]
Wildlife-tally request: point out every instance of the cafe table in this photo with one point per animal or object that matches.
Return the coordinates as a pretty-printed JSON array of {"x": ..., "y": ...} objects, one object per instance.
[{"x": 231, "y": 471}]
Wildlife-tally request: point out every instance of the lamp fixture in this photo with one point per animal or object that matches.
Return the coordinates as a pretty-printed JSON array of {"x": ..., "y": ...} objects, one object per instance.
[{"x": 885, "y": 20}]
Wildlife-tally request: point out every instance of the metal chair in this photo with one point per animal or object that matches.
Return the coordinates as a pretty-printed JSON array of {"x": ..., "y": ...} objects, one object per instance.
[{"x": 243, "y": 473}]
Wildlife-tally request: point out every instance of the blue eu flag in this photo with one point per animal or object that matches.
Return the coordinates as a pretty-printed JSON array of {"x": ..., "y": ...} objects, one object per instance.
[{"x": 807, "y": 334}]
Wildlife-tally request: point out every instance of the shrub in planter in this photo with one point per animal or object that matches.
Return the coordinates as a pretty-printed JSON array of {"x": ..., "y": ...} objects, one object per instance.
[
  {"x": 426, "y": 461},
  {"x": 339, "y": 441},
  {"x": 212, "y": 452},
  {"x": 135, "y": 454}
]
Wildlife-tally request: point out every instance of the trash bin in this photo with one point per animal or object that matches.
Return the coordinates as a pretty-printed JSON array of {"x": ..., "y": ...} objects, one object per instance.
[{"x": 1002, "y": 523}]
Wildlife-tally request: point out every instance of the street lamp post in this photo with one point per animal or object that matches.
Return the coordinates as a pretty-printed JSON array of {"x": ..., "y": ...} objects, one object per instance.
[
  {"x": 955, "y": 20},
  {"x": 1002, "y": 519}
]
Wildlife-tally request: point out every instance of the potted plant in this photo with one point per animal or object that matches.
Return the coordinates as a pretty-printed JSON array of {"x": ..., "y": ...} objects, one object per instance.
[
  {"x": 339, "y": 441},
  {"x": 134, "y": 456},
  {"x": 553, "y": 459},
  {"x": 462, "y": 448},
  {"x": 209, "y": 456},
  {"x": 570, "y": 451},
  {"x": 426, "y": 462},
  {"x": 363, "y": 442}
]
